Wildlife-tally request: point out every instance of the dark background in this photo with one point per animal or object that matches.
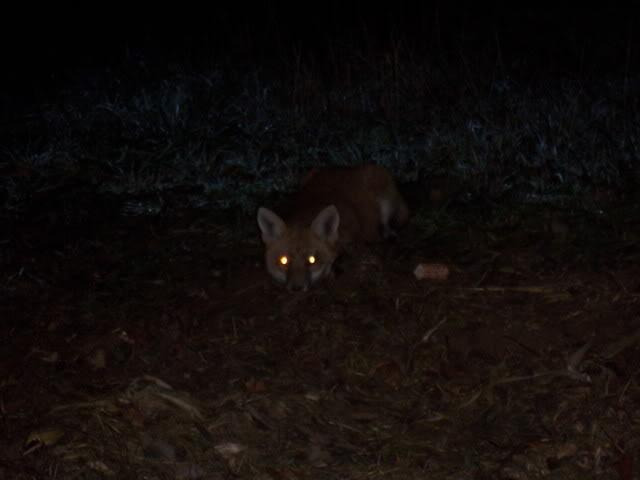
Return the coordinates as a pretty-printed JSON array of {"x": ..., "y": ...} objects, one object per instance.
[{"x": 41, "y": 47}]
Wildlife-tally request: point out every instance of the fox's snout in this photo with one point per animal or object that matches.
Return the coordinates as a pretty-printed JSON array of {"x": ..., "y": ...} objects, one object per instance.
[
  {"x": 297, "y": 286},
  {"x": 298, "y": 278}
]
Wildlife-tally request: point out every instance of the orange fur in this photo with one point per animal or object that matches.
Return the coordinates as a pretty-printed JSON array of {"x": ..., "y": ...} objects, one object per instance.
[{"x": 334, "y": 207}]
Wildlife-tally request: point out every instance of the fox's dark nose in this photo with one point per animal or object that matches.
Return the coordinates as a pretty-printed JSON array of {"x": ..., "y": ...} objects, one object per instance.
[{"x": 297, "y": 287}]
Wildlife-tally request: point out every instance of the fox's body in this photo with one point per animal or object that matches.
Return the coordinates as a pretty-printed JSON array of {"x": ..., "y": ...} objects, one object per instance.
[{"x": 334, "y": 207}]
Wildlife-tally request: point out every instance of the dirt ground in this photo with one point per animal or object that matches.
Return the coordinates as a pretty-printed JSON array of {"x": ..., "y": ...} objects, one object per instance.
[{"x": 158, "y": 348}]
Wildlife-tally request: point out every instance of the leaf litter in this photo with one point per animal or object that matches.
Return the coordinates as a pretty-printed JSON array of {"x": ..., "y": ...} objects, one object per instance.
[{"x": 516, "y": 372}]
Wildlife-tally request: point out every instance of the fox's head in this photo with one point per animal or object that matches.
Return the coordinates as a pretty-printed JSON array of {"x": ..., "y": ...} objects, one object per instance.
[{"x": 299, "y": 255}]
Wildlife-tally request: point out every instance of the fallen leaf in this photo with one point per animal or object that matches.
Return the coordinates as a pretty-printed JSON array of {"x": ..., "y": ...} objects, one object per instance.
[{"x": 431, "y": 271}]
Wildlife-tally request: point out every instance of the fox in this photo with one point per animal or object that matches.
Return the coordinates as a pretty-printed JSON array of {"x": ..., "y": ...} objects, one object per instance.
[{"x": 334, "y": 209}]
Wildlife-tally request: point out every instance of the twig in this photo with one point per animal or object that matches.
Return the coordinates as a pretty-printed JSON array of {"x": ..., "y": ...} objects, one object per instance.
[{"x": 432, "y": 330}]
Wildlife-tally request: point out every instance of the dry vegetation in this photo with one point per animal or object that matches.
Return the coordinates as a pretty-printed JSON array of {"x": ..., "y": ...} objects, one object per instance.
[{"x": 159, "y": 349}]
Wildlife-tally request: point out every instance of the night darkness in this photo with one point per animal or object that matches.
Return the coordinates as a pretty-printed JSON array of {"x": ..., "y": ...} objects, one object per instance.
[
  {"x": 42, "y": 53},
  {"x": 442, "y": 281}
]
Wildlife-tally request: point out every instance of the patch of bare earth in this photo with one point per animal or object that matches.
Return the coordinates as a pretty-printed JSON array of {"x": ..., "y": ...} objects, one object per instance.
[{"x": 160, "y": 349}]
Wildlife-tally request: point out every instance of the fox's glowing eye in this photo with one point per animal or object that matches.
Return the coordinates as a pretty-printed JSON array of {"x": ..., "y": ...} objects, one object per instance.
[
  {"x": 283, "y": 260},
  {"x": 311, "y": 259}
]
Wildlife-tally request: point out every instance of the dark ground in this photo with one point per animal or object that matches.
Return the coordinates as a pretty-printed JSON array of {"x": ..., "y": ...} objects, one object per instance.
[{"x": 160, "y": 348}]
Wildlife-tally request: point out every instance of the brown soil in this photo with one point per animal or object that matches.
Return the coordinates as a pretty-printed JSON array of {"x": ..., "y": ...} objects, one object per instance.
[{"x": 158, "y": 348}]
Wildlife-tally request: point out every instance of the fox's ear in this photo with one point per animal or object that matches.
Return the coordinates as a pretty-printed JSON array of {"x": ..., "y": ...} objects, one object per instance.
[
  {"x": 326, "y": 224},
  {"x": 271, "y": 225}
]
